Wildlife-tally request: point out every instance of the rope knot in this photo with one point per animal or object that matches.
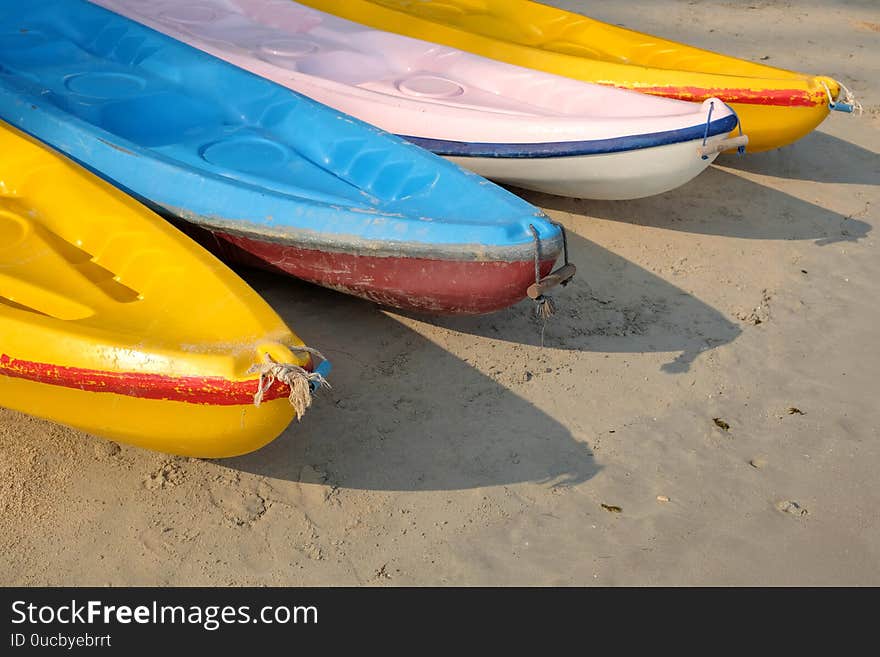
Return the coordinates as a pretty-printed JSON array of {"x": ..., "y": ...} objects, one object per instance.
[
  {"x": 849, "y": 103},
  {"x": 545, "y": 307},
  {"x": 302, "y": 383}
]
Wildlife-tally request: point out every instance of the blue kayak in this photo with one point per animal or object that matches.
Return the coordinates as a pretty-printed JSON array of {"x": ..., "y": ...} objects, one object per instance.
[{"x": 278, "y": 180}]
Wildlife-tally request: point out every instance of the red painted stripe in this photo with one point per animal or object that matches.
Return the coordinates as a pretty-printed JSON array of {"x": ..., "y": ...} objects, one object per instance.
[
  {"x": 443, "y": 287},
  {"x": 213, "y": 391},
  {"x": 778, "y": 97}
]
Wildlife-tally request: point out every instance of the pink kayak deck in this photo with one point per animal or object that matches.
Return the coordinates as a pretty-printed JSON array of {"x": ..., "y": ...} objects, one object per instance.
[{"x": 408, "y": 86}]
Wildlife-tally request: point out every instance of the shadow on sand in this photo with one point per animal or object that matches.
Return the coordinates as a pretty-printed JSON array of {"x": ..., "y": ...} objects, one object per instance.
[
  {"x": 818, "y": 157},
  {"x": 612, "y": 306},
  {"x": 405, "y": 414},
  {"x": 719, "y": 202},
  {"x": 616, "y": 306}
]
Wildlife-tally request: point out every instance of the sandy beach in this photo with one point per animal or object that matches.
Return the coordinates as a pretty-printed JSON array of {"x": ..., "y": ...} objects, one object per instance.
[{"x": 704, "y": 409}]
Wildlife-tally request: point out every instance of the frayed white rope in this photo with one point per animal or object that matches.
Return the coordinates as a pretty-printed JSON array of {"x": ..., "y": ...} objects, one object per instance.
[
  {"x": 301, "y": 382},
  {"x": 848, "y": 98}
]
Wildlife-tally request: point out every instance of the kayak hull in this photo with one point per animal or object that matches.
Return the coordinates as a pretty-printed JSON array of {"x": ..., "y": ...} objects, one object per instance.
[
  {"x": 184, "y": 428},
  {"x": 776, "y": 106},
  {"x": 609, "y": 176},
  {"x": 776, "y": 126},
  {"x": 115, "y": 323},
  {"x": 470, "y": 287}
]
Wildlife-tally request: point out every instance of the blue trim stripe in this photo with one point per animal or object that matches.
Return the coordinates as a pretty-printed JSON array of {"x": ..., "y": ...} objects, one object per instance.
[{"x": 572, "y": 148}]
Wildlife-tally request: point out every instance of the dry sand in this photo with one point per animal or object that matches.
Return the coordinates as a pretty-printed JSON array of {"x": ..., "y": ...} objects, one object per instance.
[{"x": 462, "y": 452}]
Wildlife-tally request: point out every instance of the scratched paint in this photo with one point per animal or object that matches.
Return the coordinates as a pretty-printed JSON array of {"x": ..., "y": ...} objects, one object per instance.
[
  {"x": 777, "y": 97},
  {"x": 468, "y": 287},
  {"x": 212, "y": 391}
]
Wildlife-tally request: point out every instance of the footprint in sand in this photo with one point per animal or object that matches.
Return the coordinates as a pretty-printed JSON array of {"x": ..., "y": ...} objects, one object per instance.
[
  {"x": 169, "y": 475},
  {"x": 240, "y": 507}
]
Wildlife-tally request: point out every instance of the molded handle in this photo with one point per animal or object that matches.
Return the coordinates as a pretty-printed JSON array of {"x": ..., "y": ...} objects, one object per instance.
[
  {"x": 559, "y": 277},
  {"x": 724, "y": 145}
]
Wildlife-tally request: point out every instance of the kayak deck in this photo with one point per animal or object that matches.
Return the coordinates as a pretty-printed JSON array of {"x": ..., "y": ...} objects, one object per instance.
[
  {"x": 775, "y": 106},
  {"x": 397, "y": 82},
  {"x": 241, "y": 156},
  {"x": 456, "y": 104}
]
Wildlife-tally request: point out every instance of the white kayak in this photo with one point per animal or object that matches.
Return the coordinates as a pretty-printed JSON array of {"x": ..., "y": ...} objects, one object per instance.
[{"x": 514, "y": 125}]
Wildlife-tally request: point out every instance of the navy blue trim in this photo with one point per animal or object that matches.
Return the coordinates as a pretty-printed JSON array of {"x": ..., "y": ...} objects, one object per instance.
[{"x": 572, "y": 148}]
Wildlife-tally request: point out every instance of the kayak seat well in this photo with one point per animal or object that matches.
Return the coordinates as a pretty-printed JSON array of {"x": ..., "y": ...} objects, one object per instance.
[
  {"x": 30, "y": 250},
  {"x": 84, "y": 263}
]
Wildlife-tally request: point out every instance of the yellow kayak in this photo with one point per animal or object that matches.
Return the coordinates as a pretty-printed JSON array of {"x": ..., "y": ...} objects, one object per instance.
[
  {"x": 776, "y": 106},
  {"x": 113, "y": 322}
]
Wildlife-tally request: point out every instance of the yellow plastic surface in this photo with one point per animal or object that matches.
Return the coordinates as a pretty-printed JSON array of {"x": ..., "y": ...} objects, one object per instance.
[
  {"x": 114, "y": 322},
  {"x": 776, "y": 106}
]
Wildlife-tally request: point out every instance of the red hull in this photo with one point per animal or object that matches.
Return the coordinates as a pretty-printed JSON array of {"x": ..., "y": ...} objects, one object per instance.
[{"x": 436, "y": 286}]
